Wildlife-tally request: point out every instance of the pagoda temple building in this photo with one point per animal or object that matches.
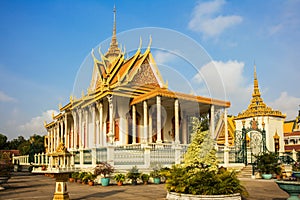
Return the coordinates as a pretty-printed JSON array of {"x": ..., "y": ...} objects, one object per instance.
[
  {"x": 127, "y": 103},
  {"x": 259, "y": 117}
]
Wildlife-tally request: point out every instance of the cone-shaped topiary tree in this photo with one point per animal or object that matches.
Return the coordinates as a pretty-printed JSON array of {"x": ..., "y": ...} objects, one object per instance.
[{"x": 201, "y": 151}]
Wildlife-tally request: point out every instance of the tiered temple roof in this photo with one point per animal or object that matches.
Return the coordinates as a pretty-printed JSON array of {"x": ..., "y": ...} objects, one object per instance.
[
  {"x": 137, "y": 78},
  {"x": 257, "y": 107}
]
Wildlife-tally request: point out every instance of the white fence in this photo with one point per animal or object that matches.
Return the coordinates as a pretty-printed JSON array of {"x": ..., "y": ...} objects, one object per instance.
[
  {"x": 144, "y": 156},
  {"x": 121, "y": 157}
]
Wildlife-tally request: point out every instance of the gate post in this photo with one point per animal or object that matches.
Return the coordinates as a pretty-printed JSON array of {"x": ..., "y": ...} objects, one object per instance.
[
  {"x": 264, "y": 137},
  {"x": 244, "y": 148}
]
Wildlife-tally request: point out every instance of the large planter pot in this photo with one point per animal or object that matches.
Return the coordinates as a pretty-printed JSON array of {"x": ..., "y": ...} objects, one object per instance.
[
  {"x": 291, "y": 187},
  {"x": 266, "y": 176},
  {"x": 179, "y": 196},
  {"x": 105, "y": 181},
  {"x": 156, "y": 180}
]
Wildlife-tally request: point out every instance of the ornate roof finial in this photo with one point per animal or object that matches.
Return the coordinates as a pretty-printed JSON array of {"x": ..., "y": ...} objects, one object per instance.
[
  {"x": 256, "y": 91},
  {"x": 113, "y": 50}
]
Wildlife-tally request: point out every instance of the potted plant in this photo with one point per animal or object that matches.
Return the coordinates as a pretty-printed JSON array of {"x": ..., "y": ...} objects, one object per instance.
[
  {"x": 267, "y": 164},
  {"x": 183, "y": 181},
  {"x": 81, "y": 175},
  {"x": 133, "y": 175},
  {"x": 145, "y": 178},
  {"x": 89, "y": 178},
  {"x": 104, "y": 169},
  {"x": 120, "y": 178},
  {"x": 155, "y": 174},
  {"x": 74, "y": 176}
]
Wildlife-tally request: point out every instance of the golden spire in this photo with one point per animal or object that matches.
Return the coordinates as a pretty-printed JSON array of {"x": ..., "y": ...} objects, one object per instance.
[
  {"x": 256, "y": 92},
  {"x": 113, "y": 50}
]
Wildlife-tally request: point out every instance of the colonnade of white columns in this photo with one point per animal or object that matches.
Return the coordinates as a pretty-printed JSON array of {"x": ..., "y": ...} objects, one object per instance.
[{"x": 73, "y": 128}]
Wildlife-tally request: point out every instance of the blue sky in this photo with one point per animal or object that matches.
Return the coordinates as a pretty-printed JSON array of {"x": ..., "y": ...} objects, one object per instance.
[{"x": 43, "y": 43}]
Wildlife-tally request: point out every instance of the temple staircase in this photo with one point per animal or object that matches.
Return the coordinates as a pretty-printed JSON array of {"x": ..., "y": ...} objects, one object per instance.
[{"x": 246, "y": 172}]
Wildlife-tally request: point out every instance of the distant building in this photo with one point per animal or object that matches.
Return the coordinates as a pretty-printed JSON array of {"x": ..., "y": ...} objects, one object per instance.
[{"x": 291, "y": 130}]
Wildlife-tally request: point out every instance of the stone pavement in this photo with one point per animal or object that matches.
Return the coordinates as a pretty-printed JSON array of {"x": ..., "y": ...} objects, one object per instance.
[{"x": 24, "y": 186}]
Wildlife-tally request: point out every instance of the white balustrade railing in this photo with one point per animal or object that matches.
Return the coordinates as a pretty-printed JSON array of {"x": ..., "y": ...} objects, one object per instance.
[{"x": 145, "y": 155}]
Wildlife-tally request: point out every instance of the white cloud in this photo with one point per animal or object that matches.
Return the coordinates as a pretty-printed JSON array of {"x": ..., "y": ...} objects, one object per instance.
[
  {"x": 286, "y": 104},
  {"x": 162, "y": 57},
  {"x": 36, "y": 124},
  {"x": 227, "y": 79},
  {"x": 205, "y": 19},
  {"x": 5, "y": 98}
]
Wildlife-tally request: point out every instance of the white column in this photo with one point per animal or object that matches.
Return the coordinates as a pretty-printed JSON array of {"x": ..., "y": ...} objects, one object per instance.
[
  {"x": 176, "y": 109},
  {"x": 145, "y": 121},
  {"x": 42, "y": 158},
  {"x": 97, "y": 133},
  {"x": 61, "y": 132},
  {"x": 93, "y": 108},
  {"x": 74, "y": 136},
  {"x": 66, "y": 131},
  {"x": 80, "y": 128},
  {"x": 86, "y": 138},
  {"x": 212, "y": 121},
  {"x": 158, "y": 123},
  {"x": 52, "y": 139},
  {"x": 184, "y": 128},
  {"x": 49, "y": 141},
  {"x": 101, "y": 124},
  {"x": 133, "y": 124},
  {"x": 110, "y": 132},
  {"x": 226, "y": 127},
  {"x": 57, "y": 134},
  {"x": 150, "y": 129},
  {"x": 226, "y": 149}
]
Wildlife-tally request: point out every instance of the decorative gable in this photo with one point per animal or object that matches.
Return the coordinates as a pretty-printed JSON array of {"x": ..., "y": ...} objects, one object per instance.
[{"x": 144, "y": 75}]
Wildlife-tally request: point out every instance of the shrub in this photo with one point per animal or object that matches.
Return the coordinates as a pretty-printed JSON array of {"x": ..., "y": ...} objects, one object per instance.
[
  {"x": 119, "y": 177},
  {"x": 103, "y": 168},
  {"x": 133, "y": 174},
  {"x": 199, "y": 175},
  {"x": 145, "y": 177},
  {"x": 202, "y": 181},
  {"x": 267, "y": 163}
]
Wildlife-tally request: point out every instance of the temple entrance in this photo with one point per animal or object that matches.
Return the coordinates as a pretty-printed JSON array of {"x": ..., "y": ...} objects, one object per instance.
[{"x": 249, "y": 142}]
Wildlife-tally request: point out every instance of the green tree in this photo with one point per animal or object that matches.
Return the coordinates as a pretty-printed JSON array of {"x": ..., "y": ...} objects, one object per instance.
[
  {"x": 3, "y": 142},
  {"x": 201, "y": 151},
  {"x": 15, "y": 143},
  {"x": 36, "y": 146},
  {"x": 24, "y": 147}
]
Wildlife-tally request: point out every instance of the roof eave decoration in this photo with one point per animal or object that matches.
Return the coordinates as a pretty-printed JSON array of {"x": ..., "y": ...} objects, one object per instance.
[{"x": 167, "y": 93}]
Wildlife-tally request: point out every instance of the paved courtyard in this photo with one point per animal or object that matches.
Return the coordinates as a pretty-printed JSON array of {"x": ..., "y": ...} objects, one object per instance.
[{"x": 24, "y": 186}]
